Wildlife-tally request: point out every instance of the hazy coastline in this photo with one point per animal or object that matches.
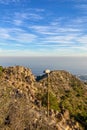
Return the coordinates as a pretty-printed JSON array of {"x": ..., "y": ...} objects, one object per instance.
[{"x": 75, "y": 65}]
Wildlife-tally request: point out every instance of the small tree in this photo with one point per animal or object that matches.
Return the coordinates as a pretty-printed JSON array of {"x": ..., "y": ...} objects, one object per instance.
[{"x": 53, "y": 102}]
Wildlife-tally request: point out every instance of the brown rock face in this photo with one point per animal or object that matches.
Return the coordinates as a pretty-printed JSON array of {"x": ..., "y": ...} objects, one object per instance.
[{"x": 21, "y": 98}]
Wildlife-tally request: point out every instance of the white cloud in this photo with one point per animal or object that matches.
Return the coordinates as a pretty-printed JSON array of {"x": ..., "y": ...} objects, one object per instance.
[
  {"x": 66, "y": 40},
  {"x": 34, "y": 16},
  {"x": 24, "y": 37},
  {"x": 55, "y": 51},
  {"x": 76, "y": 1},
  {"x": 17, "y": 35},
  {"x": 54, "y": 30},
  {"x": 22, "y": 17},
  {"x": 81, "y": 7},
  {"x": 38, "y": 10},
  {"x": 4, "y": 34},
  {"x": 27, "y": 16},
  {"x": 17, "y": 22},
  {"x": 9, "y": 1},
  {"x": 58, "y": 35},
  {"x": 82, "y": 39},
  {"x": 48, "y": 36},
  {"x": 3, "y": 44}
]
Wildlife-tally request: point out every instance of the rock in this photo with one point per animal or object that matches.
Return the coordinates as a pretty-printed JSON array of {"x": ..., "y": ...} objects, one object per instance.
[
  {"x": 66, "y": 114},
  {"x": 59, "y": 117},
  {"x": 21, "y": 109}
]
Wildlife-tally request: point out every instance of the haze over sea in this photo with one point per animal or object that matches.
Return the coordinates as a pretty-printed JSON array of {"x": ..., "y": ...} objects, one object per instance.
[{"x": 75, "y": 65}]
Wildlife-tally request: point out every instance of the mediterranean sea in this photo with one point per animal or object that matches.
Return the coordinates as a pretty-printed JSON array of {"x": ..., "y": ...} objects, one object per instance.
[{"x": 75, "y": 65}]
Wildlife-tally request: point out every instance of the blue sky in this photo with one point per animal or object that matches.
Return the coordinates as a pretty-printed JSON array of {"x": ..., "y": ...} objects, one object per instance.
[{"x": 43, "y": 27}]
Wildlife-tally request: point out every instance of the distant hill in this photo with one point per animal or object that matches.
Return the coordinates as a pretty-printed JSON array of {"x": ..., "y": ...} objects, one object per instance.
[
  {"x": 83, "y": 77},
  {"x": 23, "y": 100}
]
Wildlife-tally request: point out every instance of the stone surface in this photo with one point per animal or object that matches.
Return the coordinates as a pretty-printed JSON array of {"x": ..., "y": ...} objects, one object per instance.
[{"x": 21, "y": 108}]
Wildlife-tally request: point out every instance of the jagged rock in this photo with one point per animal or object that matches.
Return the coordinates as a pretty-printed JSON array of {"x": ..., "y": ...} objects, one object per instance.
[{"x": 22, "y": 109}]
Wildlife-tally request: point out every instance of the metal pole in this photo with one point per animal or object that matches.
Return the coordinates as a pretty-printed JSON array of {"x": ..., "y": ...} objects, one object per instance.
[
  {"x": 47, "y": 71},
  {"x": 48, "y": 95}
]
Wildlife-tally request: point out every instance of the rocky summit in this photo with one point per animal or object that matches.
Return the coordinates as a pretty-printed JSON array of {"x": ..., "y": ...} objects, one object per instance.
[{"x": 24, "y": 100}]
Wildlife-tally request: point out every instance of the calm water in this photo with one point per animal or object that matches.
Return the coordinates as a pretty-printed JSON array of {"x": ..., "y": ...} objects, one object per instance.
[{"x": 75, "y": 65}]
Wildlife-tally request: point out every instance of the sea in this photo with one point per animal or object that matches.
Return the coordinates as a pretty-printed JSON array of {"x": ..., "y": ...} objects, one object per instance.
[{"x": 74, "y": 65}]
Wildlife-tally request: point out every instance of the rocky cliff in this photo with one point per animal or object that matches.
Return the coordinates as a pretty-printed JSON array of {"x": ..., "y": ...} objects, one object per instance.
[{"x": 23, "y": 100}]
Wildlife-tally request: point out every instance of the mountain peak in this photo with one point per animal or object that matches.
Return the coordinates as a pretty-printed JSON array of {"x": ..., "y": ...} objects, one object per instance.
[{"x": 23, "y": 100}]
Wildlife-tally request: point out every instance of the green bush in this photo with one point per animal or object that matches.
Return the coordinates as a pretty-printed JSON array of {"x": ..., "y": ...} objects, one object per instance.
[
  {"x": 1, "y": 69},
  {"x": 82, "y": 118},
  {"x": 53, "y": 102}
]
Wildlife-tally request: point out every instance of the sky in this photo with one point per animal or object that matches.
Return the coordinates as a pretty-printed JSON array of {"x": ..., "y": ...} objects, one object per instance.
[{"x": 43, "y": 27}]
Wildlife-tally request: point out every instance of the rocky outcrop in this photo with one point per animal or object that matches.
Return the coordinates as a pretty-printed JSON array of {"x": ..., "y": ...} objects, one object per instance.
[
  {"x": 21, "y": 98},
  {"x": 70, "y": 92}
]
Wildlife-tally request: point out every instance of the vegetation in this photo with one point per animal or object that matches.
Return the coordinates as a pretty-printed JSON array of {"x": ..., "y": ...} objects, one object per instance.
[
  {"x": 1, "y": 69},
  {"x": 82, "y": 118},
  {"x": 53, "y": 102},
  {"x": 23, "y": 101},
  {"x": 71, "y": 94}
]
